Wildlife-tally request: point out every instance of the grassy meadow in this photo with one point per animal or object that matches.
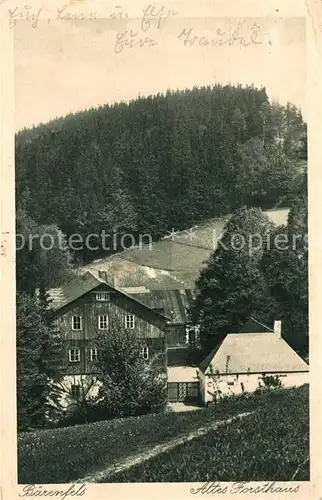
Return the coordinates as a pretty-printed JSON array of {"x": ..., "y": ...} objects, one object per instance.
[{"x": 269, "y": 444}]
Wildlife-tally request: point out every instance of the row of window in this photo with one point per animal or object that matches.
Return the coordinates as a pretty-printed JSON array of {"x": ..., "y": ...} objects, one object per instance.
[
  {"x": 103, "y": 322},
  {"x": 74, "y": 354}
]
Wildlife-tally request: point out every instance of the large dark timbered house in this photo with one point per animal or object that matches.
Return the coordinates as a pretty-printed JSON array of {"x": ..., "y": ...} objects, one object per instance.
[{"x": 84, "y": 308}]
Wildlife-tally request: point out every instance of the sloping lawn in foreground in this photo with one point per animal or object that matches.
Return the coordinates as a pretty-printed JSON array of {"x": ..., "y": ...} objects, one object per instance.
[
  {"x": 270, "y": 444},
  {"x": 67, "y": 454}
]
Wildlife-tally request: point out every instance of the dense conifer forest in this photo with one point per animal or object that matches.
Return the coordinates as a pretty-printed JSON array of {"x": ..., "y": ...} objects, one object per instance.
[
  {"x": 159, "y": 162},
  {"x": 149, "y": 166}
]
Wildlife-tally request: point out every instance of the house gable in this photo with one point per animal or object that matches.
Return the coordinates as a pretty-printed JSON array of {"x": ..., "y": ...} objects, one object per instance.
[
  {"x": 84, "y": 316},
  {"x": 83, "y": 289},
  {"x": 253, "y": 353}
]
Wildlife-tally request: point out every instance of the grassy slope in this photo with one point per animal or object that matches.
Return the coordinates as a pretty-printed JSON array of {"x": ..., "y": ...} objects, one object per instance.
[
  {"x": 182, "y": 255},
  {"x": 63, "y": 455},
  {"x": 269, "y": 445}
]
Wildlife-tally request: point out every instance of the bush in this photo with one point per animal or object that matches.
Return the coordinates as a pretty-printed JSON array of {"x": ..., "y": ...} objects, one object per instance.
[
  {"x": 271, "y": 381},
  {"x": 129, "y": 385},
  {"x": 93, "y": 413}
]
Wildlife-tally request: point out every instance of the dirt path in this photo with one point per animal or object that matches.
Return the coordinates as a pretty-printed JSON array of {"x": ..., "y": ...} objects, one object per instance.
[{"x": 149, "y": 453}]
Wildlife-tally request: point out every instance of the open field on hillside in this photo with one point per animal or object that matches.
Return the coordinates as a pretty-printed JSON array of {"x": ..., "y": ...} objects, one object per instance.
[
  {"x": 270, "y": 444},
  {"x": 176, "y": 260},
  {"x": 64, "y": 455}
]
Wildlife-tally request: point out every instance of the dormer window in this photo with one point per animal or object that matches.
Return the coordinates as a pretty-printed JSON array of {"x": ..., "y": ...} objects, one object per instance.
[{"x": 102, "y": 296}]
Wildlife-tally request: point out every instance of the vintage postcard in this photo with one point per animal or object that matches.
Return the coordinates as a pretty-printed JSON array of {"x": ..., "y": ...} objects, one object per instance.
[{"x": 160, "y": 252}]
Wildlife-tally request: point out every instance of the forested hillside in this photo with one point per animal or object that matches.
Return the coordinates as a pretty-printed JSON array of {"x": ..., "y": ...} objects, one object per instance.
[{"x": 160, "y": 162}]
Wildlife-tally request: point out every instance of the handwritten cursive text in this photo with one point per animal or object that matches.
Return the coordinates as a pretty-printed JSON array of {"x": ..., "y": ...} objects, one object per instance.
[
  {"x": 155, "y": 14},
  {"x": 64, "y": 15},
  {"x": 130, "y": 40},
  {"x": 215, "y": 488},
  {"x": 31, "y": 490},
  {"x": 231, "y": 36},
  {"x": 27, "y": 13},
  {"x": 118, "y": 14}
]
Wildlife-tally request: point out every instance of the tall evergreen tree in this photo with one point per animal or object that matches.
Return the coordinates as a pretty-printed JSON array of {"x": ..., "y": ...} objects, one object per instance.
[
  {"x": 285, "y": 267},
  {"x": 40, "y": 355},
  {"x": 231, "y": 287},
  {"x": 42, "y": 257}
]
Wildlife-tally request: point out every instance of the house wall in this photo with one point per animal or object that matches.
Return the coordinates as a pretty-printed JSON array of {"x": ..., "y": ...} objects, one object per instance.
[
  {"x": 87, "y": 383},
  {"x": 176, "y": 335},
  {"x": 230, "y": 384},
  {"x": 148, "y": 326}
]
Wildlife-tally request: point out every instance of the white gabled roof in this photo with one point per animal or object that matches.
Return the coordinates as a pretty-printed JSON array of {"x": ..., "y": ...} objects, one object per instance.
[{"x": 253, "y": 353}]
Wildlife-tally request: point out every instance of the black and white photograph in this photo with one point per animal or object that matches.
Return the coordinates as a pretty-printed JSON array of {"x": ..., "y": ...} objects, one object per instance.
[{"x": 161, "y": 247}]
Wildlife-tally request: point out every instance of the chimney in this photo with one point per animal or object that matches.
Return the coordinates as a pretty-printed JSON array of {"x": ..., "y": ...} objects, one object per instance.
[
  {"x": 278, "y": 328},
  {"x": 102, "y": 275}
]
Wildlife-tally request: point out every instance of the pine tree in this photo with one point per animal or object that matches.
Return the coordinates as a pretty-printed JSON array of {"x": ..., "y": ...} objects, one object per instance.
[
  {"x": 42, "y": 257},
  {"x": 231, "y": 287},
  {"x": 285, "y": 268},
  {"x": 40, "y": 355}
]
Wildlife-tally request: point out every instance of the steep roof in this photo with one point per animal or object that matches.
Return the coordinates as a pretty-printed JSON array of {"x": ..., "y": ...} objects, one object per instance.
[
  {"x": 81, "y": 285},
  {"x": 173, "y": 302},
  {"x": 253, "y": 353},
  {"x": 73, "y": 290},
  {"x": 206, "y": 362}
]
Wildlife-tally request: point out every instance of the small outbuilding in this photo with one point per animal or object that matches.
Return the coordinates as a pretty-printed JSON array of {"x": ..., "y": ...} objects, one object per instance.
[
  {"x": 242, "y": 362},
  {"x": 183, "y": 384}
]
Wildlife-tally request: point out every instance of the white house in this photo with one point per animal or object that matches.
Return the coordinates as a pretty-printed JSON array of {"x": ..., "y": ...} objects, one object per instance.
[{"x": 240, "y": 361}]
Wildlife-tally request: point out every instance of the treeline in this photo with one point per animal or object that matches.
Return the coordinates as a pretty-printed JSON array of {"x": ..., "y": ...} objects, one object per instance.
[
  {"x": 160, "y": 162},
  {"x": 259, "y": 270}
]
